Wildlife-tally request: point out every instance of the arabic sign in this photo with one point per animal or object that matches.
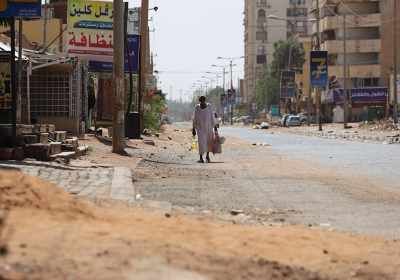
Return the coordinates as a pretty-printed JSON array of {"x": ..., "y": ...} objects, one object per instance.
[
  {"x": 21, "y": 8},
  {"x": 231, "y": 97},
  {"x": 287, "y": 84},
  {"x": 133, "y": 41},
  {"x": 357, "y": 94},
  {"x": 224, "y": 101},
  {"x": 5, "y": 80},
  {"x": 318, "y": 68},
  {"x": 90, "y": 30},
  {"x": 391, "y": 89}
]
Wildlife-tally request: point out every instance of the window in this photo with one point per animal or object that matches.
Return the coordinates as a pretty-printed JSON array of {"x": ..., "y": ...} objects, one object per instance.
[
  {"x": 261, "y": 49},
  {"x": 369, "y": 82},
  {"x": 261, "y": 13},
  {"x": 261, "y": 59}
]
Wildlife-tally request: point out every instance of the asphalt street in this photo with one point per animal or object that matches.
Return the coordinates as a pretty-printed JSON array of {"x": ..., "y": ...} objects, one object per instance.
[{"x": 370, "y": 159}]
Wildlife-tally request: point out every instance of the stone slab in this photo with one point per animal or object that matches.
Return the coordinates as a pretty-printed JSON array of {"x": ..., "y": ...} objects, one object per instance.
[{"x": 122, "y": 184}]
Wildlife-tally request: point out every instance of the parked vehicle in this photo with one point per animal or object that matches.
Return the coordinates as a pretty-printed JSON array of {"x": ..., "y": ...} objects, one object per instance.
[
  {"x": 264, "y": 125},
  {"x": 165, "y": 119},
  {"x": 279, "y": 121},
  {"x": 303, "y": 117},
  {"x": 284, "y": 119},
  {"x": 248, "y": 119},
  {"x": 293, "y": 121}
]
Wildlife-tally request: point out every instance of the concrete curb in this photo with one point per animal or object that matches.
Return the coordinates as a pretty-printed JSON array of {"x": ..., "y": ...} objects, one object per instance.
[
  {"x": 343, "y": 135},
  {"x": 122, "y": 184}
]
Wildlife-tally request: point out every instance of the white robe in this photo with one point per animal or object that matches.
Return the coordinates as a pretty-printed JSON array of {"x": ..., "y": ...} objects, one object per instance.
[{"x": 204, "y": 122}]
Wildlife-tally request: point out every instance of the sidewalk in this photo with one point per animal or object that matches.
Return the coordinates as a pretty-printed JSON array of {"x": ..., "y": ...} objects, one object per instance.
[{"x": 104, "y": 182}]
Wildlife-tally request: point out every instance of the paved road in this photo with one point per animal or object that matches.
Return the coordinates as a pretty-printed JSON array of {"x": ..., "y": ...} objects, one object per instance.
[
  {"x": 358, "y": 191},
  {"x": 378, "y": 160}
]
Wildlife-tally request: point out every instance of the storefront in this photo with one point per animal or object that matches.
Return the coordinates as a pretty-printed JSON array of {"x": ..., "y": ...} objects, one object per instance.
[{"x": 359, "y": 98}]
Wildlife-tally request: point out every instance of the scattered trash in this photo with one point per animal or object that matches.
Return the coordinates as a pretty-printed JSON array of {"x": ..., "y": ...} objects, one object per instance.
[
  {"x": 386, "y": 126},
  {"x": 138, "y": 197},
  {"x": 169, "y": 138},
  {"x": 149, "y": 142},
  {"x": 281, "y": 220},
  {"x": 325, "y": 225},
  {"x": 236, "y": 212}
]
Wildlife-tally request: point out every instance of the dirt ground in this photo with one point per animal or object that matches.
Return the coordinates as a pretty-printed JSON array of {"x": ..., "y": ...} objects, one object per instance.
[{"x": 51, "y": 234}]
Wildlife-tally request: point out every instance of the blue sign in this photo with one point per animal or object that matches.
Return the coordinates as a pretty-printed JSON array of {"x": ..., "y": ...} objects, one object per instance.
[
  {"x": 133, "y": 41},
  {"x": 361, "y": 94},
  {"x": 319, "y": 68},
  {"x": 287, "y": 84},
  {"x": 224, "y": 100},
  {"x": 21, "y": 9},
  {"x": 274, "y": 111},
  {"x": 231, "y": 97}
]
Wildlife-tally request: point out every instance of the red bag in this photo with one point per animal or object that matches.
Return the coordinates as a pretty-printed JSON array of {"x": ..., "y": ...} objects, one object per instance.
[{"x": 216, "y": 147}]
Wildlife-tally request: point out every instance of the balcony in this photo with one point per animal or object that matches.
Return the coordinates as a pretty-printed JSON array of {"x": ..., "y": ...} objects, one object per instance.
[
  {"x": 354, "y": 46},
  {"x": 356, "y": 71},
  {"x": 334, "y": 23},
  {"x": 261, "y": 28},
  {"x": 297, "y": 3},
  {"x": 261, "y": 3}
]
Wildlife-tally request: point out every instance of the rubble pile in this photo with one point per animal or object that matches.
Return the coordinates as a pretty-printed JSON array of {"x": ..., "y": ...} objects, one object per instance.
[{"x": 386, "y": 126}]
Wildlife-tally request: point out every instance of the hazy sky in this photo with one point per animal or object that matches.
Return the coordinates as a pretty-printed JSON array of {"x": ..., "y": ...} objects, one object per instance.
[{"x": 188, "y": 38}]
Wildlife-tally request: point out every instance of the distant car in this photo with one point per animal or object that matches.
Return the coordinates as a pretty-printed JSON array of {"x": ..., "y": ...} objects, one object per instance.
[
  {"x": 303, "y": 117},
  {"x": 248, "y": 119},
  {"x": 264, "y": 125},
  {"x": 165, "y": 119},
  {"x": 234, "y": 119},
  {"x": 279, "y": 121},
  {"x": 293, "y": 121},
  {"x": 285, "y": 118}
]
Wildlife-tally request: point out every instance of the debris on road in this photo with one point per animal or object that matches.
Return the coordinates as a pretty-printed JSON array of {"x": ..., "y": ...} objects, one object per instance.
[{"x": 236, "y": 212}]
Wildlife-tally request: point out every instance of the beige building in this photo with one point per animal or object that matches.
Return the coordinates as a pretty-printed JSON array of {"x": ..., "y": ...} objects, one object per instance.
[
  {"x": 363, "y": 40},
  {"x": 261, "y": 33}
]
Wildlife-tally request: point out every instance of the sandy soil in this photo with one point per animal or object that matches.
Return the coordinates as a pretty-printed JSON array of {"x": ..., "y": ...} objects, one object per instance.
[{"x": 53, "y": 235}]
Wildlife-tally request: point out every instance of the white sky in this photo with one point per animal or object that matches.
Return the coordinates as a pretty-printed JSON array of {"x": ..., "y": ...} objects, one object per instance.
[{"x": 189, "y": 36}]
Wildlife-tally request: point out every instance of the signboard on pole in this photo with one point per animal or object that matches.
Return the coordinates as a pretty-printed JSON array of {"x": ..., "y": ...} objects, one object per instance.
[
  {"x": 319, "y": 68},
  {"x": 5, "y": 80},
  {"x": 133, "y": 41},
  {"x": 224, "y": 100},
  {"x": 274, "y": 111},
  {"x": 90, "y": 30},
  {"x": 21, "y": 8},
  {"x": 287, "y": 84},
  {"x": 231, "y": 97}
]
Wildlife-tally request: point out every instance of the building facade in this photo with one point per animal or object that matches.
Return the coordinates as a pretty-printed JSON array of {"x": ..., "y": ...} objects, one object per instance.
[
  {"x": 261, "y": 33},
  {"x": 363, "y": 45}
]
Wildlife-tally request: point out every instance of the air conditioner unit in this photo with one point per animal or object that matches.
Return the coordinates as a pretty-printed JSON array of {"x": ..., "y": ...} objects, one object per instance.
[{"x": 269, "y": 6}]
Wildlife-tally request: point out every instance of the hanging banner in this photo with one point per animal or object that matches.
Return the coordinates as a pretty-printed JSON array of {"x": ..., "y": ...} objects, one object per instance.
[
  {"x": 90, "y": 30},
  {"x": 231, "y": 97},
  {"x": 224, "y": 100},
  {"x": 5, "y": 80},
  {"x": 319, "y": 68},
  {"x": 21, "y": 8},
  {"x": 287, "y": 84},
  {"x": 133, "y": 41}
]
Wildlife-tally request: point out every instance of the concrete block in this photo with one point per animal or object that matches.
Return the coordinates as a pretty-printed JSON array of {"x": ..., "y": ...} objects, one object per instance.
[
  {"x": 18, "y": 153},
  {"x": 55, "y": 148},
  {"x": 52, "y": 135},
  {"x": 6, "y": 153},
  {"x": 30, "y": 139},
  {"x": 50, "y": 128},
  {"x": 24, "y": 128},
  {"x": 40, "y": 127},
  {"x": 38, "y": 151},
  {"x": 60, "y": 135}
]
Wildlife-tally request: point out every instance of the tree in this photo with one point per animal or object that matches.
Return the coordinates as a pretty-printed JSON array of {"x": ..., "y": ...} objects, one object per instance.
[
  {"x": 272, "y": 89},
  {"x": 281, "y": 57}
]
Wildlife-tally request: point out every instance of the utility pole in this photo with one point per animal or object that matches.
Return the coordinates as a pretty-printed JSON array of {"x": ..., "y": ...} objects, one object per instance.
[
  {"x": 45, "y": 22},
  {"x": 144, "y": 17},
  {"x": 318, "y": 89},
  {"x": 344, "y": 75},
  {"x": 19, "y": 93},
  {"x": 394, "y": 66},
  {"x": 118, "y": 71},
  {"x": 266, "y": 105}
]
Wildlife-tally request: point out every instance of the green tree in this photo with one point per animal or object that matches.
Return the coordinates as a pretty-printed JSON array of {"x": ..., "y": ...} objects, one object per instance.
[
  {"x": 281, "y": 57},
  {"x": 272, "y": 89}
]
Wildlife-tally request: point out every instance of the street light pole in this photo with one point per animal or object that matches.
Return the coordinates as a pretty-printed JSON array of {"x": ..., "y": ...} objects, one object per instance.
[
  {"x": 223, "y": 110},
  {"x": 395, "y": 120}
]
